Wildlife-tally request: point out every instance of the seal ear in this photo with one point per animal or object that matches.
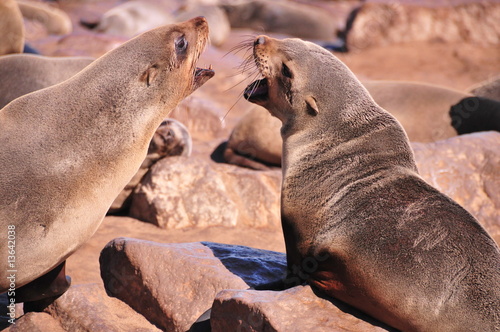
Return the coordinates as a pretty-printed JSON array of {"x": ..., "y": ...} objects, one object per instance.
[
  {"x": 312, "y": 108},
  {"x": 149, "y": 75}
]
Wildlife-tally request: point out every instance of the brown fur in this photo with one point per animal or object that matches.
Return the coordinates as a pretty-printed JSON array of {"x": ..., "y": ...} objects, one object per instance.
[
  {"x": 24, "y": 73},
  {"x": 12, "y": 28},
  {"x": 359, "y": 223},
  {"x": 68, "y": 150}
]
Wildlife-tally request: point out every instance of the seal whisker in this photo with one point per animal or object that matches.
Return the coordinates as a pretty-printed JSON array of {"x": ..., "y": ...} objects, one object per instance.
[{"x": 239, "y": 97}]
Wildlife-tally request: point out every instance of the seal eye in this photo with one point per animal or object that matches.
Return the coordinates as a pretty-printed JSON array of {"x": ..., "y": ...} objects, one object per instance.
[
  {"x": 286, "y": 71},
  {"x": 181, "y": 44}
]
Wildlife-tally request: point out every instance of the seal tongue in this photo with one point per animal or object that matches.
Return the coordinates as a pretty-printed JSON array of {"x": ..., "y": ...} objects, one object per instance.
[
  {"x": 201, "y": 75},
  {"x": 257, "y": 91}
]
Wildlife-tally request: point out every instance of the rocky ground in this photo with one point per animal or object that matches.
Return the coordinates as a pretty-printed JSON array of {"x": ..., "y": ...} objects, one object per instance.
[{"x": 198, "y": 199}]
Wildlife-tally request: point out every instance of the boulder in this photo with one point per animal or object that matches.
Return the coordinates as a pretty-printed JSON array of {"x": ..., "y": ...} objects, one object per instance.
[
  {"x": 88, "y": 308},
  {"x": 183, "y": 192},
  {"x": 173, "y": 284},
  {"x": 467, "y": 169},
  {"x": 35, "y": 322},
  {"x": 201, "y": 116},
  {"x": 295, "y": 309},
  {"x": 385, "y": 22}
]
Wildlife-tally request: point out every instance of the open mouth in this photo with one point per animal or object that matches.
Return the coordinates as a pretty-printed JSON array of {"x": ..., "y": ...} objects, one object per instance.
[
  {"x": 257, "y": 91},
  {"x": 201, "y": 75}
]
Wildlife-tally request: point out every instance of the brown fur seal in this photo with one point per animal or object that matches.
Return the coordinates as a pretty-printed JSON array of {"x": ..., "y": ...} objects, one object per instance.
[
  {"x": 24, "y": 73},
  {"x": 359, "y": 223},
  {"x": 422, "y": 109},
  {"x": 255, "y": 141},
  {"x": 294, "y": 19},
  {"x": 12, "y": 27},
  {"x": 170, "y": 139},
  {"x": 489, "y": 88},
  {"x": 68, "y": 150},
  {"x": 54, "y": 20}
]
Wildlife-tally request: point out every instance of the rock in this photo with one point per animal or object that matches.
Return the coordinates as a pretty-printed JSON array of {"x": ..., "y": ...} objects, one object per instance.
[
  {"x": 467, "y": 169},
  {"x": 36, "y": 322},
  {"x": 183, "y": 192},
  {"x": 171, "y": 138},
  {"x": 201, "y": 116},
  {"x": 88, "y": 308},
  {"x": 489, "y": 88},
  {"x": 295, "y": 309},
  {"x": 173, "y": 284},
  {"x": 385, "y": 22}
]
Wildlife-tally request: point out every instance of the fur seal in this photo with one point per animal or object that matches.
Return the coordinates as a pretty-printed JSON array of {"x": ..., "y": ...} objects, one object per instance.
[
  {"x": 130, "y": 18},
  {"x": 489, "y": 88},
  {"x": 423, "y": 110},
  {"x": 294, "y": 19},
  {"x": 87, "y": 138},
  {"x": 359, "y": 223},
  {"x": 55, "y": 21},
  {"x": 24, "y": 73},
  {"x": 170, "y": 139},
  {"x": 12, "y": 27},
  {"x": 255, "y": 141}
]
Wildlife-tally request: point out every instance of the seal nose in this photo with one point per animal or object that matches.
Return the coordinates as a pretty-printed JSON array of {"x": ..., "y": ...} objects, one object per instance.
[
  {"x": 199, "y": 21},
  {"x": 261, "y": 40}
]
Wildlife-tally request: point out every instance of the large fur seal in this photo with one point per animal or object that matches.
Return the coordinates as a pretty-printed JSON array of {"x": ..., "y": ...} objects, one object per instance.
[
  {"x": 12, "y": 27},
  {"x": 68, "y": 150},
  {"x": 24, "y": 73},
  {"x": 359, "y": 223}
]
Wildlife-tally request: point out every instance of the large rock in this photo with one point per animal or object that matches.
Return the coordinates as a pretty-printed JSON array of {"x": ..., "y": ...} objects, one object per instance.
[
  {"x": 384, "y": 22},
  {"x": 466, "y": 168},
  {"x": 173, "y": 284},
  {"x": 35, "y": 322},
  {"x": 294, "y": 310},
  {"x": 88, "y": 308},
  {"x": 184, "y": 192}
]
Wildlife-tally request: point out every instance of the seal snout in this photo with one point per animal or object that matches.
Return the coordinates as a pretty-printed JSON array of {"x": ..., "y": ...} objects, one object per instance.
[{"x": 260, "y": 40}]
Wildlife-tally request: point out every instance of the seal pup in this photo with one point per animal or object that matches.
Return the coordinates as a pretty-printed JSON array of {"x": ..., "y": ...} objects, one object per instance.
[
  {"x": 473, "y": 114},
  {"x": 24, "y": 73},
  {"x": 170, "y": 139},
  {"x": 489, "y": 88},
  {"x": 255, "y": 141},
  {"x": 359, "y": 223},
  {"x": 12, "y": 27},
  {"x": 68, "y": 150}
]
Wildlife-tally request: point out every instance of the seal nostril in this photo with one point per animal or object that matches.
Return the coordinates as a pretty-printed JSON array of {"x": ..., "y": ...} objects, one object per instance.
[{"x": 259, "y": 41}]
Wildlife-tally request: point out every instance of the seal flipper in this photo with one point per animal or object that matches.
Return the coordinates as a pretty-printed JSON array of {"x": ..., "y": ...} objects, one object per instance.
[
  {"x": 41, "y": 292},
  {"x": 473, "y": 114}
]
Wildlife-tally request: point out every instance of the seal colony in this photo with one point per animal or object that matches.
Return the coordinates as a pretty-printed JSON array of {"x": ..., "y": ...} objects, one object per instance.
[
  {"x": 68, "y": 150},
  {"x": 359, "y": 223}
]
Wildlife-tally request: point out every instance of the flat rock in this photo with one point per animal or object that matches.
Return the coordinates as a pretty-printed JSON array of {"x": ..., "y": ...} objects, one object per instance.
[
  {"x": 295, "y": 309},
  {"x": 88, "y": 308},
  {"x": 467, "y": 169},
  {"x": 173, "y": 284},
  {"x": 182, "y": 192},
  {"x": 35, "y": 322},
  {"x": 388, "y": 22}
]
